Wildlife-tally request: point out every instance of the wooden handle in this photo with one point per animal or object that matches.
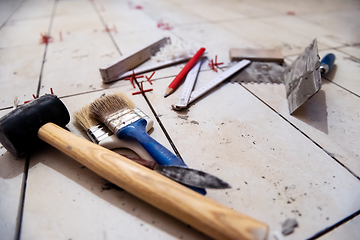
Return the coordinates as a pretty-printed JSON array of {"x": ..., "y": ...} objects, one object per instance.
[{"x": 200, "y": 212}]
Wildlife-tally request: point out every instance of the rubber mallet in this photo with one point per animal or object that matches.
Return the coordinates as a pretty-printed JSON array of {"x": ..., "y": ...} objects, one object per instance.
[{"x": 22, "y": 129}]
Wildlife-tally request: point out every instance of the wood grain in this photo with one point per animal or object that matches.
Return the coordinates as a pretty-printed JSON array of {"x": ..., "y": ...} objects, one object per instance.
[{"x": 202, "y": 213}]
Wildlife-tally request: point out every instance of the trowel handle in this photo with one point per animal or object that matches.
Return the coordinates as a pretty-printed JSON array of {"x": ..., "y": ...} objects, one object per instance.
[{"x": 326, "y": 63}]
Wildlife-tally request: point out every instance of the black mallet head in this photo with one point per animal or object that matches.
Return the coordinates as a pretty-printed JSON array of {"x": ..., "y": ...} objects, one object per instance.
[{"x": 19, "y": 128}]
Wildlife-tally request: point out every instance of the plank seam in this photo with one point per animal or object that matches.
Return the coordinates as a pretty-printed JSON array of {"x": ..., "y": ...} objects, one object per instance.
[
  {"x": 336, "y": 225},
  {"x": 22, "y": 200},
  {"x": 11, "y": 14},
  {"x": 308, "y": 137},
  {"x": 105, "y": 25}
]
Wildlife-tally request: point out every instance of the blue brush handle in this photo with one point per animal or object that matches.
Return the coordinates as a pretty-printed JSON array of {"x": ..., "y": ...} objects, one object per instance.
[
  {"x": 327, "y": 62},
  {"x": 162, "y": 156}
]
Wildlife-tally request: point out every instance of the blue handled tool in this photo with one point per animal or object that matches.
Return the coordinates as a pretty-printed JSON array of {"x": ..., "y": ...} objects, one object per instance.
[
  {"x": 327, "y": 63},
  {"x": 121, "y": 116},
  {"x": 161, "y": 155}
]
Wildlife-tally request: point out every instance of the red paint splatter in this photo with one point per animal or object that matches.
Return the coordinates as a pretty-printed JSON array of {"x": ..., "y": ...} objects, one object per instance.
[
  {"x": 31, "y": 100},
  {"x": 133, "y": 77},
  {"x": 142, "y": 90},
  {"x": 45, "y": 39},
  {"x": 167, "y": 27},
  {"x": 163, "y": 26},
  {"x": 51, "y": 90},
  {"x": 115, "y": 29},
  {"x": 148, "y": 78},
  {"x": 107, "y": 29},
  {"x": 213, "y": 65},
  {"x": 291, "y": 13},
  {"x": 137, "y": 7}
]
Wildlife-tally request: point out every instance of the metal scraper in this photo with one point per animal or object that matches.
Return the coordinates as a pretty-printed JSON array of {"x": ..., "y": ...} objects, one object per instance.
[
  {"x": 191, "y": 177},
  {"x": 302, "y": 78},
  {"x": 184, "y": 175}
]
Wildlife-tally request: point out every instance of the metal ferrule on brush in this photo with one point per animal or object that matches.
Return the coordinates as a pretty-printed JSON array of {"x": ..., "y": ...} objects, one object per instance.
[
  {"x": 120, "y": 119},
  {"x": 98, "y": 133}
]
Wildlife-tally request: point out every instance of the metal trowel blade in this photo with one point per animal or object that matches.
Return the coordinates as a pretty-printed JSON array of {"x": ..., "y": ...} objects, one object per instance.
[
  {"x": 302, "y": 78},
  {"x": 191, "y": 177}
]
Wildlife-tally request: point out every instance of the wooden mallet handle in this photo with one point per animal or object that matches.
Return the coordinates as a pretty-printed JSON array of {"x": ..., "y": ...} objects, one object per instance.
[{"x": 200, "y": 212}]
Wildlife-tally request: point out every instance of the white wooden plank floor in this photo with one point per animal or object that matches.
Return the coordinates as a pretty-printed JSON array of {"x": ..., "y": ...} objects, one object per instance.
[{"x": 303, "y": 166}]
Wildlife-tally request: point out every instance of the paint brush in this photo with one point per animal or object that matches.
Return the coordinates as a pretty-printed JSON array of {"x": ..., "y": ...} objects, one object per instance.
[
  {"x": 119, "y": 114},
  {"x": 101, "y": 135}
]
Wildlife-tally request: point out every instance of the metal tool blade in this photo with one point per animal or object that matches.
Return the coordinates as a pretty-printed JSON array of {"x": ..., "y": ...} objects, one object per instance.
[
  {"x": 302, "y": 78},
  {"x": 191, "y": 177},
  {"x": 261, "y": 72}
]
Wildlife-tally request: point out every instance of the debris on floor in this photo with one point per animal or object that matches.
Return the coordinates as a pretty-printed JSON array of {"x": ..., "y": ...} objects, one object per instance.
[{"x": 288, "y": 226}]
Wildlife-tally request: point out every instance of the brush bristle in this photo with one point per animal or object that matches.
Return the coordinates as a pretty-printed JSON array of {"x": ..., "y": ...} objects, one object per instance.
[
  {"x": 83, "y": 118},
  {"x": 102, "y": 107},
  {"x": 126, "y": 99}
]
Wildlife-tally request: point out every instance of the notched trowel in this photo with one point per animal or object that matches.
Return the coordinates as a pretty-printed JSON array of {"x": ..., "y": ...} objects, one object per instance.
[{"x": 302, "y": 78}]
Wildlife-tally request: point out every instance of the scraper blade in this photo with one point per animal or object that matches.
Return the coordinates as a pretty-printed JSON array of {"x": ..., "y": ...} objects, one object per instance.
[{"x": 302, "y": 78}]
